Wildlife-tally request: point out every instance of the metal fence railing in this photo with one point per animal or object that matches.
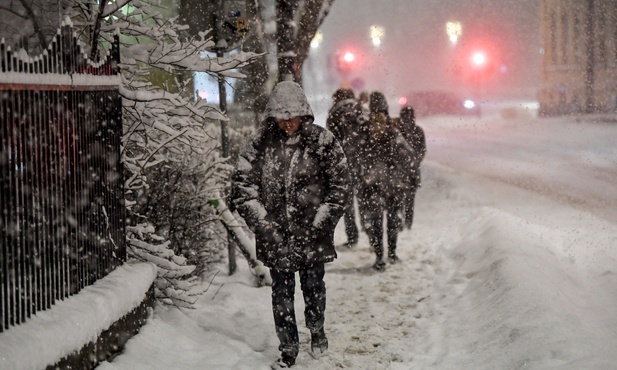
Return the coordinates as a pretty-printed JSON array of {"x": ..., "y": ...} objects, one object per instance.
[{"x": 61, "y": 188}]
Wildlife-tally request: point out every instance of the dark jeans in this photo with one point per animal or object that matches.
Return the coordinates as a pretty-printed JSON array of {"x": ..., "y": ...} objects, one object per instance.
[
  {"x": 374, "y": 229},
  {"x": 410, "y": 197},
  {"x": 375, "y": 204},
  {"x": 283, "y": 289},
  {"x": 351, "y": 229}
]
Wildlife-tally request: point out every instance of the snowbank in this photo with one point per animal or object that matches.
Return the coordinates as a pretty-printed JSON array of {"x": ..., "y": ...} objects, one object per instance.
[
  {"x": 525, "y": 305},
  {"x": 70, "y": 324}
]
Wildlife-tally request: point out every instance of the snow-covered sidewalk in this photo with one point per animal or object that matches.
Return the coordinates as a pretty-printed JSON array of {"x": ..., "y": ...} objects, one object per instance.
[{"x": 484, "y": 284}]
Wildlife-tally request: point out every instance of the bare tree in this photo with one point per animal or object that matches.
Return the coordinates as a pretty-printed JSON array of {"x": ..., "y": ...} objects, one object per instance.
[
  {"x": 297, "y": 22},
  {"x": 286, "y": 39},
  {"x": 30, "y": 24},
  {"x": 287, "y": 27},
  {"x": 283, "y": 29},
  {"x": 309, "y": 19}
]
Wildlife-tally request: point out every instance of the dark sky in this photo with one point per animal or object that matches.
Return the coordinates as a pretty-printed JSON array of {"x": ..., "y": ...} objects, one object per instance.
[{"x": 416, "y": 54}]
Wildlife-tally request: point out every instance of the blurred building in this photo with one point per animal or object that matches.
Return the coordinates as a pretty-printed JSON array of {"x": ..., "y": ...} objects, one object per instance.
[{"x": 579, "y": 61}]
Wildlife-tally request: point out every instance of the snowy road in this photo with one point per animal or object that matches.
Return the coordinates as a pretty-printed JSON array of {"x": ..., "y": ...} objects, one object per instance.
[
  {"x": 569, "y": 161},
  {"x": 510, "y": 265}
]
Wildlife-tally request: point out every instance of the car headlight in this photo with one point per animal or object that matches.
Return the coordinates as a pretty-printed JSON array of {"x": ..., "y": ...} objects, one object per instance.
[{"x": 469, "y": 104}]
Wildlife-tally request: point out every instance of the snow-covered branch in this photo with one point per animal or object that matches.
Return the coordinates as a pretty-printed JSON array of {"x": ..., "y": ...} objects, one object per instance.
[
  {"x": 113, "y": 7},
  {"x": 170, "y": 140}
]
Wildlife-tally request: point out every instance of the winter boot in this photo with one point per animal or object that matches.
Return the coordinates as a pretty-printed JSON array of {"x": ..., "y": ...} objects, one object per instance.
[
  {"x": 379, "y": 265},
  {"x": 393, "y": 258},
  {"x": 319, "y": 343},
  {"x": 285, "y": 362},
  {"x": 392, "y": 241}
]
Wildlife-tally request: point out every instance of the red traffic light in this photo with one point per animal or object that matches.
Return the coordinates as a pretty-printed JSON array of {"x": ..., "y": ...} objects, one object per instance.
[
  {"x": 346, "y": 61},
  {"x": 479, "y": 58},
  {"x": 349, "y": 57}
]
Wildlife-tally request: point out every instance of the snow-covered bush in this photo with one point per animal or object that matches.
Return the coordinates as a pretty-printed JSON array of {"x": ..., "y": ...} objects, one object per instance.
[
  {"x": 175, "y": 283},
  {"x": 170, "y": 141},
  {"x": 192, "y": 227}
]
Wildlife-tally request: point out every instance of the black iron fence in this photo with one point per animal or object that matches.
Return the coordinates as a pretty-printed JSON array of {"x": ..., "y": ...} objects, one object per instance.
[{"x": 61, "y": 184}]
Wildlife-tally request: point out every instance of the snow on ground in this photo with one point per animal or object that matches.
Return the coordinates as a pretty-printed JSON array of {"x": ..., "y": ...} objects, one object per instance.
[{"x": 497, "y": 272}]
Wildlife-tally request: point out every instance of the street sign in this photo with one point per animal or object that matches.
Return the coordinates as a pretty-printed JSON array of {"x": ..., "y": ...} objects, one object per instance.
[
  {"x": 228, "y": 20},
  {"x": 235, "y": 22}
]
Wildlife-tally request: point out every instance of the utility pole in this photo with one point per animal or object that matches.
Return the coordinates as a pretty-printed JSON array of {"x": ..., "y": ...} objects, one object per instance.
[
  {"x": 591, "y": 60},
  {"x": 220, "y": 47}
]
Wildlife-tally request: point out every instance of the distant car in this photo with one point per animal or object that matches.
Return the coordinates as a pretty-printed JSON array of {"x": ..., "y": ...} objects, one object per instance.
[{"x": 427, "y": 103}]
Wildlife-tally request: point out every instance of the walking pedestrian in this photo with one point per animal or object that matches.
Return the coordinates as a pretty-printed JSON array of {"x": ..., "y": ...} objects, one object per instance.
[
  {"x": 363, "y": 121},
  {"x": 343, "y": 123},
  {"x": 363, "y": 100},
  {"x": 384, "y": 155},
  {"x": 291, "y": 187},
  {"x": 415, "y": 137}
]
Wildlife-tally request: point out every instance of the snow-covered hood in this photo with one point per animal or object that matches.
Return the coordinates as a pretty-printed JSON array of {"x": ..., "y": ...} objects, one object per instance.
[
  {"x": 287, "y": 101},
  {"x": 342, "y": 103}
]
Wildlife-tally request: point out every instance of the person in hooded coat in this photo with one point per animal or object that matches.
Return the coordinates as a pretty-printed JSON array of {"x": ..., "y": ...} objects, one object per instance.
[
  {"x": 343, "y": 122},
  {"x": 414, "y": 135},
  {"x": 363, "y": 100},
  {"x": 291, "y": 188},
  {"x": 384, "y": 158}
]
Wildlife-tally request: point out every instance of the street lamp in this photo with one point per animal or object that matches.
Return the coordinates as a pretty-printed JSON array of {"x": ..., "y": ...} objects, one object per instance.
[
  {"x": 317, "y": 39},
  {"x": 454, "y": 30},
  {"x": 377, "y": 33}
]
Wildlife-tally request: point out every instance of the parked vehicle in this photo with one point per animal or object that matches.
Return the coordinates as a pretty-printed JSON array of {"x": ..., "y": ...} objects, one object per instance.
[{"x": 427, "y": 103}]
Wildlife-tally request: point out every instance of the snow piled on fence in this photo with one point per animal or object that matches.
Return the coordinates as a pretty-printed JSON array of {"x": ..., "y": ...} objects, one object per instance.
[{"x": 67, "y": 326}]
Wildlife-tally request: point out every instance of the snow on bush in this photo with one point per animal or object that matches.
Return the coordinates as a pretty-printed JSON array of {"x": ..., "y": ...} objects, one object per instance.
[{"x": 170, "y": 141}]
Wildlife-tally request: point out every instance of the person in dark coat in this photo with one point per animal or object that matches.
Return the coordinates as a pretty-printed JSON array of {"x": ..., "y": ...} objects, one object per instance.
[
  {"x": 414, "y": 135},
  {"x": 343, "y": 123},
  {"x": 291, "y": 188},
  {"x": 384, "y": 156},
  {"x": 363, "y": 100}
]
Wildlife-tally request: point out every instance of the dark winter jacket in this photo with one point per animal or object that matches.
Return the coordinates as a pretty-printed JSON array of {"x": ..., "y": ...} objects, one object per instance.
[
  {"x": 343, "y": 122},
  {"x": 414, "y": 135},
  {"x": 292, "y": 187},
  {"x": 378, "y": 103},
  {"x": 385, "y": 158}
]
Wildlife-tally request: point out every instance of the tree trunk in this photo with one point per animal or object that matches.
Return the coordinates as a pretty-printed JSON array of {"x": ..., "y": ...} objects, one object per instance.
[
  {"x": 312, "y": 17},
  {"x": 286, "y": 40},
  {"x": 253, "y": 91},
  {"x": 96, "y": 30}
]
